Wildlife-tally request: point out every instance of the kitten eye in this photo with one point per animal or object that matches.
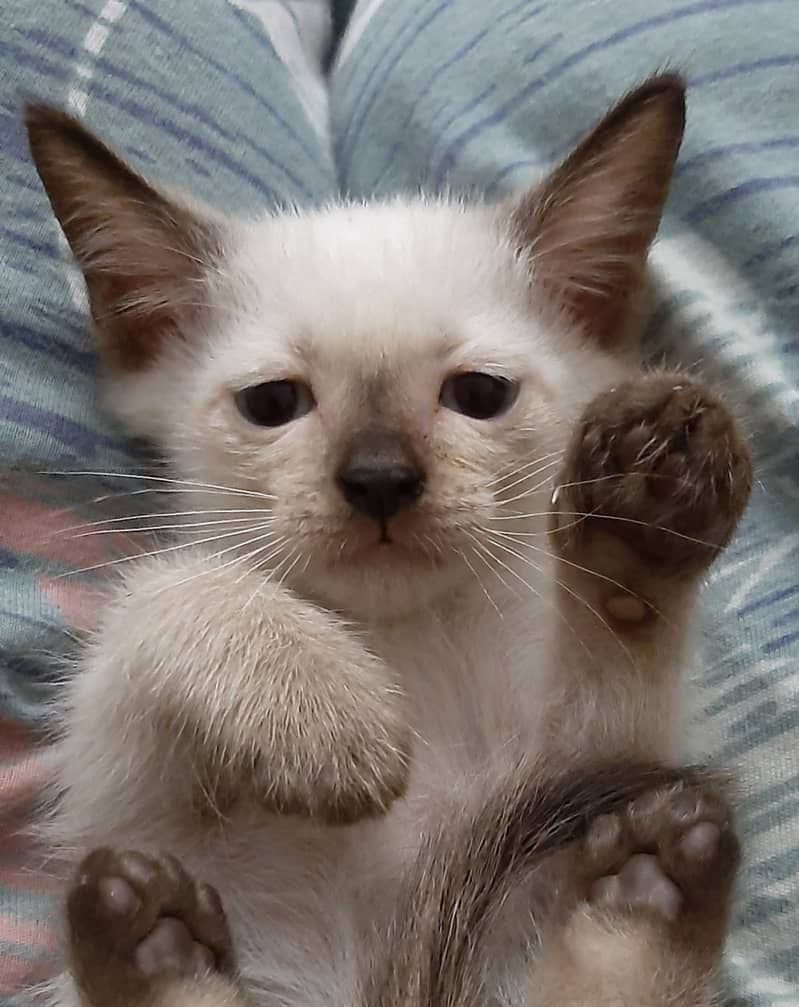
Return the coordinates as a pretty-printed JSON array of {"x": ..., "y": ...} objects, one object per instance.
[
  {"x": 274, "y": 403},
  {"x": 481, "y": 396}
]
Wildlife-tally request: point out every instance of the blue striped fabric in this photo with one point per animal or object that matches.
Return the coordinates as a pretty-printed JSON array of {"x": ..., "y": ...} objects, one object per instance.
[{"x": 469, "y": 96}]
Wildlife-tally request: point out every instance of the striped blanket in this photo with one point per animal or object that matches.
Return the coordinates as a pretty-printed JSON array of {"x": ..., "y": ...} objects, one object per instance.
[{"x": 229, "y": 100}]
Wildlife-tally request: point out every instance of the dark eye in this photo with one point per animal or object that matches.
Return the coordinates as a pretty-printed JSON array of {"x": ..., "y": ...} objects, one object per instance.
[
  {"x": 481, "y": 396},
  {"x": 274, "y": 403}
]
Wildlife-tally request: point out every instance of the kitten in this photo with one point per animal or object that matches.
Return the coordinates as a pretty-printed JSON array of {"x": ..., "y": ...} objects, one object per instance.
[{"x": 371, "y": 403}]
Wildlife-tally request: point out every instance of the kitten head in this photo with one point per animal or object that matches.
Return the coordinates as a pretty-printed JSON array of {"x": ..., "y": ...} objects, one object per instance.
[{"x": 378, "y": 386}]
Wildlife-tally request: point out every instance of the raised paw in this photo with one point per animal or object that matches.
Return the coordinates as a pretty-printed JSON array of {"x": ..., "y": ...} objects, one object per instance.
[
  {"x": 336, "y": 762},
  {"x": 355, "y": 772},
  {"x": 333, "y": 746},
  {"x": 671, "y": 855},
  {"x": 135, "y": 920},
  {"x": 658, "y": 463}
]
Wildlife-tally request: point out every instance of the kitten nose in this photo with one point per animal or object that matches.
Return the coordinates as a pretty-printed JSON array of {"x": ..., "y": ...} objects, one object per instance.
[{"x": 380, "y": 477}]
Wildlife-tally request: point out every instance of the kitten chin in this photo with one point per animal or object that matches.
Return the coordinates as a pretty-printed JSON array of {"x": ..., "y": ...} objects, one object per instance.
[{"x": 387, "y": 587}]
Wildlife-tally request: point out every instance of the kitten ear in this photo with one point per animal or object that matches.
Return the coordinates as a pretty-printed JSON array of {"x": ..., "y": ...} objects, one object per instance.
[
  {"x": 587, "y": 229},
  {"x": 143, "y": 255}
]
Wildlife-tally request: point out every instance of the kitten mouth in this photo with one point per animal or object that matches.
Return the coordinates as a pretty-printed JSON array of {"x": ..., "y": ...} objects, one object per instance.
[{"x": 384, "y": 536}]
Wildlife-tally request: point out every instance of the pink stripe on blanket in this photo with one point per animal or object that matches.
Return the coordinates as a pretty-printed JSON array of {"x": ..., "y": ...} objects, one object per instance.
[
  {"x": 77, "y": 602},
  {"x": 55, "y": 534},
  {"x": 28, "y": 879},
  {"x": 27, "y": 933},
  {"x": 20, "y": 782}
]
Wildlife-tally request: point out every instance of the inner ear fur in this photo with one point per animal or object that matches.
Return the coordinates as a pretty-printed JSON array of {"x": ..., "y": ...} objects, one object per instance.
[
  {"x": 144, "y": 255},
  {"x": 587, "y": 229}
]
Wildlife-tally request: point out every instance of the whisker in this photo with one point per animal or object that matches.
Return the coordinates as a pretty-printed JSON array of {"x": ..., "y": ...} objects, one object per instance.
[
  {"x": 590, "y": 482},
  {"x": 552, "y": 606},
  {"x": 509, "y": 471},
  {"x": 483, "y": 588},
  {"x": 482, "y": 552},
  {"x": 241, "y": 558},
  {"x": 268, "y": 577},
  {"x": 181, "y": 526},
  {"x": 583, "y": 569},
  {"x": 522, "y": 544},
  {"x": 525, "y": 478},
  {"x": 165, "y": 514},
  {"x": 156, "y": 552},
  {"x": 236, "y": 491},
  {"x": 603, "y": 517},
  {"x": 279, "y": 544},
  {"x": 288, "y": 569},
  {"x": 236, "y": 559},
  {"x": 578, "y": 598},
  {"x": 527, "y": 493}
]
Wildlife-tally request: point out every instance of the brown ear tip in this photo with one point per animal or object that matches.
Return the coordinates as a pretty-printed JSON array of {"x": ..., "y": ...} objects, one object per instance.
[
  {"x": 670, "y": 81},
  {"x": 42, "y": 119},
  {"x": 668, "y": 89},
  {"x": 39, "y": 113}
]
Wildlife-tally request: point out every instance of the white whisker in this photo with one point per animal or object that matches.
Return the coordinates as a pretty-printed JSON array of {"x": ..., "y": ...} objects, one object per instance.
[
  {"x": 236, "y": 559},
  {"x": 482, "y": 552},
  {"x": 157, "y": 552},
  {"x": 254, "y": 511},
  {"x": 582, "y": 569},
  {"x": 509, "y": 472},
  {"x": 551, "y": 605},
  {"x": 603, "y": 517},
  {"x": 483, "y": 588},
  {"x": 525, "y": 494},
  {"x": 278, "y": 544},
  {"x": 236, "y": 491},
  {"x": 577, "y": 597},
  {"x": 181, "y": 526},
  {"x": 524, "y": 479}
]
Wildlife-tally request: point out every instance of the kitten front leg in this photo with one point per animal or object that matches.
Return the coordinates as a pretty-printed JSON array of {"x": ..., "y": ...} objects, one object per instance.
[
  {"x": 652, "y": 886},
  {"x": 141, "y": 933},
  {"x": 655, "y": 481},
  {"x": 204, "y": 673}
]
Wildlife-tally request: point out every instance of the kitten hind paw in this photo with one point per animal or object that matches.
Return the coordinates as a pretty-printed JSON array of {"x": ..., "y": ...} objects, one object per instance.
[
  {"x": 671, "y": 855},
  {"x": 135, "y": 920}
]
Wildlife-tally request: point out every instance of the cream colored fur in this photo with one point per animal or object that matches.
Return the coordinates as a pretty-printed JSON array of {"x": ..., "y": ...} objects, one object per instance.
[
  {"x": 181, "y": 671},
  {"x": 290, "y": 661}
]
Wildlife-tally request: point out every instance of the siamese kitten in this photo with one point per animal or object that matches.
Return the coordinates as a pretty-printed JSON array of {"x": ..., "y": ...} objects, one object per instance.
[{"x": 344, "y": 697}]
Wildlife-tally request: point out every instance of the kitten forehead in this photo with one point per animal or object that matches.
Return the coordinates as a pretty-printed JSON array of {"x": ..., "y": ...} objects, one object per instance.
[{"x": 368, "y": 281}]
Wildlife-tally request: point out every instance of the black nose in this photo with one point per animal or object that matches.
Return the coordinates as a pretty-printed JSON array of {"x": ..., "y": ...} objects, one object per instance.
[
  {"x": 380, "y": 493},
  {"x": 380, "y": 476}
]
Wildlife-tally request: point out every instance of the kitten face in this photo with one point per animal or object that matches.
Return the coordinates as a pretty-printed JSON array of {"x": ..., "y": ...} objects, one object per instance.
[
  {"x": 392, "y": 378},
  {"x": 379, "y": 351}
]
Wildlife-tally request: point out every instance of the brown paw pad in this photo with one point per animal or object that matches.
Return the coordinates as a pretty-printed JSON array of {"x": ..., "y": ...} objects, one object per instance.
[
  {"x": 671, "y": 853},
  {"x": 134, "y": 916},
  {"x": 657, "y": 462}
]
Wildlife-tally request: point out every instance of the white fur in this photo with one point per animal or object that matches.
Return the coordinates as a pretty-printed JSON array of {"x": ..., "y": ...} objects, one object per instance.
[{"x": 373, "y": 307}]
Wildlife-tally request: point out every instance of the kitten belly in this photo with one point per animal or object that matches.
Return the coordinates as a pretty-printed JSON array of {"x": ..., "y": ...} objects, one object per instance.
[{"x": 303, "y": 899}]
